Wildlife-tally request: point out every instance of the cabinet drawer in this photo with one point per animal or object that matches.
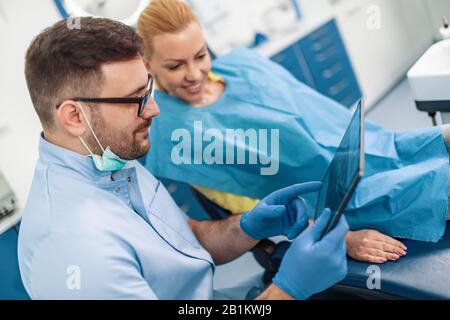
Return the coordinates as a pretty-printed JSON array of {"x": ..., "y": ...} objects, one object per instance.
[
  {"x": 289, "y": 59},
  {"x": 320, "y": 60},
  {"x": 331, "y": 73},
  {"x": 337, "y": 89},
  {"x": 334, "y": 52},
  {"x": 350, "y": 99},
  {"x": 320, "y": 45},
  {"x": 316, "y": 36},
  {"x": 286, "y": 57},
  {"x": 345, "y": 91}
]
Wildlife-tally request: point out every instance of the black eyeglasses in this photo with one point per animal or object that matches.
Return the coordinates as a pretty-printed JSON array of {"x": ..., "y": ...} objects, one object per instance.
[{"x": 141, "y": 101}]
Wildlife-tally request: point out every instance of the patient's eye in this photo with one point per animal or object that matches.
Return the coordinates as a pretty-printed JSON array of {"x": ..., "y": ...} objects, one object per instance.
[{"x": 174, "y": 67}]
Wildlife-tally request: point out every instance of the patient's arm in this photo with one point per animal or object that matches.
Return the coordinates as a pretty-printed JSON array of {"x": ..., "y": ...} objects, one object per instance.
[
  {"x": 373, "y": 246},
  {"x": 274, "y": 293},
  {"x": 223, "y": 239}
]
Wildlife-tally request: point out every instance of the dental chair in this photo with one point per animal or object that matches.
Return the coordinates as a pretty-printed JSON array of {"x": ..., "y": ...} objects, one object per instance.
[{"x": 424, "y": 273}]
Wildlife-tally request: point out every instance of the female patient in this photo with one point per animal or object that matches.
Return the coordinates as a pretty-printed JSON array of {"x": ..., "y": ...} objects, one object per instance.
[{"x": 404, "y": 193}]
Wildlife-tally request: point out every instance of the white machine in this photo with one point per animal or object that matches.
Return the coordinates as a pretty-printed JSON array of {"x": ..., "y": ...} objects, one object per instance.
[
  {"x": 7, "y": 198},
  {"x": 429, "y": 79}
]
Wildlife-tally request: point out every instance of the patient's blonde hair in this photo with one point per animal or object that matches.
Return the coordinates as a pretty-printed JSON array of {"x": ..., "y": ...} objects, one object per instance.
[{"x": 163, "y": 16}]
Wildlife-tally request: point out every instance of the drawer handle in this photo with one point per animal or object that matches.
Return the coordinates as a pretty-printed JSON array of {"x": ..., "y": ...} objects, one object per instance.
[
  {"x": 331, "y": 72},
  {"x": 348, "y": 100},
  {"x": 320, "y": 45},
  {"x": 279, "y": 58},
  {"x": 320, "y": 33},
  {"x": 321, "y": 57},
  {"x": 338, "y": 87}
]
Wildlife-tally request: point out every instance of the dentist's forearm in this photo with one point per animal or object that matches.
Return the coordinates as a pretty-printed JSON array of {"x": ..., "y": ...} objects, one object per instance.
[{"x": 223, "y": 239}]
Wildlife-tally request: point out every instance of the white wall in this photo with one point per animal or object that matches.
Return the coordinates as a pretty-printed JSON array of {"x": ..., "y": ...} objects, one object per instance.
[
  {"x": 438, "y": 9},
  {"x": 20, "y": 21},
  {"x": 382, "y": 56}
]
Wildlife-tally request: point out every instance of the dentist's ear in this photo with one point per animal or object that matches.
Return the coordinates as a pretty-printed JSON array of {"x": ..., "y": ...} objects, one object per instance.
[{"x": 70, "y": 118}]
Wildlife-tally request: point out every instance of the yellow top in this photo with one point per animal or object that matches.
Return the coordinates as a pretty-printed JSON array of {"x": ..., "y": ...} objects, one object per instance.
[
  {"x": 232, "y": 202},
  {"x": 214, "y": 77}
]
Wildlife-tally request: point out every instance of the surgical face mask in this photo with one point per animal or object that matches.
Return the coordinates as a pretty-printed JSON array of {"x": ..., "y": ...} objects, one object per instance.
[{"x": 108, "y": 161}]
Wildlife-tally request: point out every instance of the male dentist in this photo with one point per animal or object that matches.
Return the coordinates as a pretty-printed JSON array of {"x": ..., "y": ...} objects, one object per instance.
[{"x": 97, "y": 225}]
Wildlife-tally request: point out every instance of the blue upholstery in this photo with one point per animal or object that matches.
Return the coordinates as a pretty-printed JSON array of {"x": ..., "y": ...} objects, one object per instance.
[
  {"x": 11, "y": 287},
  {"x": 424, "y": 273}
]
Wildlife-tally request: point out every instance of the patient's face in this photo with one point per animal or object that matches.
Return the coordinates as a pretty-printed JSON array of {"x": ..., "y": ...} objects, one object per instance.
[{"x": 181, "y": 63}]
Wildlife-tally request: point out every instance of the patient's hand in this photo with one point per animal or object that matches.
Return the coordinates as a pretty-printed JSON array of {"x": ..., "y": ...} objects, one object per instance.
[{"x": 373, "y": 246}]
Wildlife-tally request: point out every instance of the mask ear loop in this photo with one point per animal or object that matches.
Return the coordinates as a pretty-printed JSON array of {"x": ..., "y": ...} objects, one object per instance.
[
  {"x": 85, "y": 145},
  {"x": 93, "y": 133}
]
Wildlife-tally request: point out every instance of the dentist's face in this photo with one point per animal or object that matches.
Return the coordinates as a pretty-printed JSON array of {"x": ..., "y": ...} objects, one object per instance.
[
  {"x": 181, "y": 63},
  {"x": 118, "y": 125}
]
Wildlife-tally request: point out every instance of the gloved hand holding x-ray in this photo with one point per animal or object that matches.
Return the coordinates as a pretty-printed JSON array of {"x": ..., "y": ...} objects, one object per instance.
[{"x": 310, "y": 256}]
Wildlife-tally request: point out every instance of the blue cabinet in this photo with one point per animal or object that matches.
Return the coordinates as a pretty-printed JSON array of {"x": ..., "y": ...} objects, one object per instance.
[
  {"x": 321, "y": 61},
  {"x": 11, "y": 287},
  {"x": 292, "y": 59}
]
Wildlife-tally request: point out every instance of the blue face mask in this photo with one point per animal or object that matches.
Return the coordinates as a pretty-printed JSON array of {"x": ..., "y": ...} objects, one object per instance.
[{"x": 108, "y": 161}]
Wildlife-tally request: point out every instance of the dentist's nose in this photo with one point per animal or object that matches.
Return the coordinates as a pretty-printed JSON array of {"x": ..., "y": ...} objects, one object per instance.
[{"x": 151, "y": 109}]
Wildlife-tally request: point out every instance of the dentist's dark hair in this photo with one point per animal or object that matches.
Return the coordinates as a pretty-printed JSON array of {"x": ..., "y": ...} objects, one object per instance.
[{"x": 64, "y": 61}]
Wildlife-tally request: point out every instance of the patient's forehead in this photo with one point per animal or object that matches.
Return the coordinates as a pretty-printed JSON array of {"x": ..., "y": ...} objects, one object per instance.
[{"x": 181, "y": 45}]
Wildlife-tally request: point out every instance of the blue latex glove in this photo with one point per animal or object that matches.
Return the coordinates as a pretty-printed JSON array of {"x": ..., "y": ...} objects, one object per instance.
[
  {"x": 311, "y": 265},
  {"x": 280, "y": 213}
]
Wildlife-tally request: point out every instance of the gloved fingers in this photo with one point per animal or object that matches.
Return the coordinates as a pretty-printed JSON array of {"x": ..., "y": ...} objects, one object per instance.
[
  {"x": 296, "y": 210},
  {"x": 344, "y": 248},
  {"x": 286, "y": 195},
  {"x": 273, "y": 212},
  {"x": 298, "y": 218},
  {"x": 338, "y": 233},
  {"x": 298, "y": 227},
  {"x": 339, "y": 256},
  {"x": 320, "y": 225}
]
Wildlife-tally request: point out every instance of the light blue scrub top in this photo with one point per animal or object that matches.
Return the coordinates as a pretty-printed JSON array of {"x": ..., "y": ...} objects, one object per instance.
[{"x": 87, "y": 234}]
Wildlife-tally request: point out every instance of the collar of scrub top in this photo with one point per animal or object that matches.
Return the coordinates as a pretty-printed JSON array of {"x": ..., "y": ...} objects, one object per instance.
[{"x": 52, "y": 154}]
